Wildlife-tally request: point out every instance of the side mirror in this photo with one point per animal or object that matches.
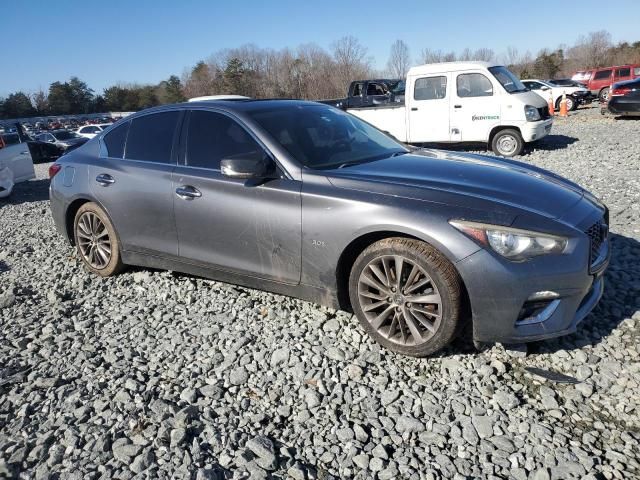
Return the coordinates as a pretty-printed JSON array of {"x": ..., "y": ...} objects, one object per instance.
[
  {"x": 545, "y": 89},
  {"x": 245, "y": 166}
]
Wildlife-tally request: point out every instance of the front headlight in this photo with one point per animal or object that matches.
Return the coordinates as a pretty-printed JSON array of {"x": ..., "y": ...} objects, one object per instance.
[
  {"x": 531, "y": 113},
  {"x": 512, "y": 243}
]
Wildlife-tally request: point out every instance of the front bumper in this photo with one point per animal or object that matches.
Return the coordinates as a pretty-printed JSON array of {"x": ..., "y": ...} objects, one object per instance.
[
  {"x": 532, "y": 131},
  {"x": 499, "y": 290}
]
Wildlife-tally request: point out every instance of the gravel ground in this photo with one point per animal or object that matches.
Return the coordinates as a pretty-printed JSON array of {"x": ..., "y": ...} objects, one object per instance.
[{"x": 156, "y": 374}]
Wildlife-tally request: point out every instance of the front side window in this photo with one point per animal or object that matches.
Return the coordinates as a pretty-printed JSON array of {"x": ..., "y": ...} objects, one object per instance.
[
  {"x": 430, "y": 88},
  {"x": 213, "y": 137},
  {"x": 150, "y": 137},
  {"x": 604, "y": 74},
  {"x": 636, "y": 71},
  {"x": 474, "y": 85},
  {"x": 322, "y": 137},
  {"x": 114, "y": 141},
  {"x": 624, "y": 72}
]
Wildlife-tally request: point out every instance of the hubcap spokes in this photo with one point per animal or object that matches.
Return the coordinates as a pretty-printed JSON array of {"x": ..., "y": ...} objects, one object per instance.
[
  {"x": 507, "y": 144},
  {"x": 400, "y": 300},
  {"x": 93, "y": 240}
]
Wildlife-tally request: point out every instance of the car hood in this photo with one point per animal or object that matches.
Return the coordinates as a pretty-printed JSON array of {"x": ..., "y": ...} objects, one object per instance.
[
  {"x": 465, "y": 177},
  {"x": 530, "y": 98}
]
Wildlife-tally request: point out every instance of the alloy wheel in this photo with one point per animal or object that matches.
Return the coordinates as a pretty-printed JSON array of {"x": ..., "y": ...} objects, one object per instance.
[
  {"x": 93, "y": 240},
  {"x": 400, "y": 300}
]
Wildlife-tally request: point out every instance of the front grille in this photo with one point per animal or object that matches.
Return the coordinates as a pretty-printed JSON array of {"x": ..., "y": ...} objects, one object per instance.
[
  {"x": 597, "y": 234},
  {"x": 544, "y": 113}
]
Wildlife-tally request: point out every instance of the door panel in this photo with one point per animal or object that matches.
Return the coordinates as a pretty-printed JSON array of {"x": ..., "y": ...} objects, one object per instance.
[
  {"x": 18, "y": 158},
  {"x": 139, "y": 203},
  {"x": 239, "y": 226},
  {"x": 474, "y": 106},
  {"x": 428, "y": 108}
]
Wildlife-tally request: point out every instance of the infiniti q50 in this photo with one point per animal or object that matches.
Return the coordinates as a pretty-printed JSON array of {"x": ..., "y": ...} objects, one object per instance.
[{"x": 306, "y": 200}]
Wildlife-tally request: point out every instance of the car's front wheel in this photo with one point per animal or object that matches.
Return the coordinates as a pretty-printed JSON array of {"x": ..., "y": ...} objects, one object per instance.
[
  {"x": 406, "y": 296},
  {"x": 96, "y": 240}
]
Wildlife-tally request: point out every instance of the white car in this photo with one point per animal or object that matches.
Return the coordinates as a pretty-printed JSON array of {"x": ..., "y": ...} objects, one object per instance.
[
  {"x": 89, "y": 131},
  {"x": 575, "y": 95},
  {"x": 16, "y": 164},
  {"x": 463, "y": 102}
]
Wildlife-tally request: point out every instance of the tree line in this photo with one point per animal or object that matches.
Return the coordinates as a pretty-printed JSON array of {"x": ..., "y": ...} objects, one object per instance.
[{"x": 307, "y": 72}]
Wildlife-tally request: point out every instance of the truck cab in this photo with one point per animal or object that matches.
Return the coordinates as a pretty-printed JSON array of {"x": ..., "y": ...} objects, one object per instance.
[{"x": 464, "y": 102}]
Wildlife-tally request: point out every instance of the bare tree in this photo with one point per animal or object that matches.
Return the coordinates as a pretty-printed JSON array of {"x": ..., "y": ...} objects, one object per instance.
[
  {"x": 351, "y": 61},
  {"x": 483, "y": 55},
  {"x": 399, "y": 62},
  {"x": 436, "y": 56},
  {"x": 591, "y": 50}
]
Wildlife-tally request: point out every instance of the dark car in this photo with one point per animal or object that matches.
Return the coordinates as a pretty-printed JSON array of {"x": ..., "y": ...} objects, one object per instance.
[
  {"x": 63, "y": 139},
  {"x": 304, "y": 199},
  {"x": 368, "y": 93},
  {"x": 625, "y": 98}
]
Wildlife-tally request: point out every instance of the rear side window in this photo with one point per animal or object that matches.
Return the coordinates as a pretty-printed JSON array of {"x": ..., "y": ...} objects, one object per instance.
[
  {"x": 151, "y": 137},
  {"x": 474, "y": 85},
  {"x": 357, "y": 90},
  {"x": 624, "y": 72},
  {"x": 636, "y": 71},
  {"x": 213, "y": 136},
  {"x": 604, "y": 74},
  {"x": 115, "y": 140},
  {"x": 430, "y": 88},
  {"x": 375, "y": 89}
]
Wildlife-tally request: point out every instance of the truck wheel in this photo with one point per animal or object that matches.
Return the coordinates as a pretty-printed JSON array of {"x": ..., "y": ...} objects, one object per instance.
[
  {"x": 604, "y": 94},
  {"x": 507, "y": 143},
  {"x": 406, "y": 296}
]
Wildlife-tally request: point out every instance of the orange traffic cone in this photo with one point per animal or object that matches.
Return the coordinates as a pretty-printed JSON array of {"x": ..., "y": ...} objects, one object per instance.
[
  {"x": 563, "y": 106},
  {"x": 552, "y": 110}
]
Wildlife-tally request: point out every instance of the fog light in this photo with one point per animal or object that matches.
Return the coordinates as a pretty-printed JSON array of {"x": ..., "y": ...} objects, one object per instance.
[{"x": 537, "y": 311}]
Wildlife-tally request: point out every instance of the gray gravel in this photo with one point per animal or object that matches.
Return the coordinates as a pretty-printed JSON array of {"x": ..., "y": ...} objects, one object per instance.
[{"x": 160, "y": 375}]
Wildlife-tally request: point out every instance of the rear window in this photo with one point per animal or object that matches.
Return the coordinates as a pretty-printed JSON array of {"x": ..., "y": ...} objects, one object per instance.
[
  {"x": 430, "y": 88},
  {"x": 151, "y": 137},
  {"x": 115, "y": 140},
  {"x": 602, "y": 75}
]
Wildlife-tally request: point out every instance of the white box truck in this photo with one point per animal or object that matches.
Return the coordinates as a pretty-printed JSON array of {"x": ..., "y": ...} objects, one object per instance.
[{"x": 463, "y": 102}]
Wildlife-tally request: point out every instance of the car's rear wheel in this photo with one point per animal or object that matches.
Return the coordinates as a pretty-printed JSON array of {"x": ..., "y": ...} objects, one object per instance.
[
  {"x": 507, "y": 143},
  {"x": 406, "y": 296},
  {"x": 96, "y": 240}
]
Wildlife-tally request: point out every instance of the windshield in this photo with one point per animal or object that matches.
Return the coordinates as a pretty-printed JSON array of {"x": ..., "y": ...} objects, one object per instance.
[
  {"x": 322, "y": 137},
  {"x": 508, "y": 80},
  {"x": 65, "y": 135},
  {"x": 398, "y": 88}
]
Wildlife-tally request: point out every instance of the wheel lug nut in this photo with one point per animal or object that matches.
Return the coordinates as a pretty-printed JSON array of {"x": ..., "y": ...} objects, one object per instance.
[{"x": 393, "y": 289}]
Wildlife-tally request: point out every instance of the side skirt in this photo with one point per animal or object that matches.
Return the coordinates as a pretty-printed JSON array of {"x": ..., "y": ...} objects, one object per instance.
[{"x": 325, "y": 297}]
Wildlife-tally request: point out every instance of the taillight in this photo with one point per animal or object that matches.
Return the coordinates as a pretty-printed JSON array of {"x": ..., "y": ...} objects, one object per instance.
[
  {"x": 53, "y": 169},
  {"x": 620, "y": 91}
]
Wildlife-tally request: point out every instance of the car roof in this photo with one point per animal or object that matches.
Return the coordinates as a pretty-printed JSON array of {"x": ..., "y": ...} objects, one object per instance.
[
  {"x": 450, "y": 67},
  {"x": 240, "y": 105}
]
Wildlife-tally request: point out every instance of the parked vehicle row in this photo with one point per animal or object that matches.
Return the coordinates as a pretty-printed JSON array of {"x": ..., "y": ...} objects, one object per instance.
[
  {"x": 469, "y": 102},
  {"x": 599, "y": 80},
  {"x": 307, "y": 200}
]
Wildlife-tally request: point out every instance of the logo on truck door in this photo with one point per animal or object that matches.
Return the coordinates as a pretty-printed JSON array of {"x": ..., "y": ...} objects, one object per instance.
[{"x": 485, "y": 117}]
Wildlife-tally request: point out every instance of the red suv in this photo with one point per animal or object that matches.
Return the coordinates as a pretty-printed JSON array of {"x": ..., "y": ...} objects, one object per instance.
[{"x": 599, "y": 80}]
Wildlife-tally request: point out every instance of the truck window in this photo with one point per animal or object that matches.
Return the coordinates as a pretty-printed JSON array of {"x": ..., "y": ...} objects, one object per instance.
[
  {"x": 357, "y": 90},
  {"x": 375, "y": 89},
  {"x": 474, "y": 85},
  {"x": 636, "y": 71},
  {"x": 430, "y": 88},
  {"x": 624, "y": 72},
  {"x": 602, "y": 75}
]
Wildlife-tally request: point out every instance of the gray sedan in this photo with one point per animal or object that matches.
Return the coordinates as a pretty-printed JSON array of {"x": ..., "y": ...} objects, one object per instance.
[{"x": 306, "y": 200}]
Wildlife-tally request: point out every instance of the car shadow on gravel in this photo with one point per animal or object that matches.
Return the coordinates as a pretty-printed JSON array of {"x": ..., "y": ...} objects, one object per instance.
[
  {"x": 26, "y": 192},
  {"x": 551, "y": 143}
]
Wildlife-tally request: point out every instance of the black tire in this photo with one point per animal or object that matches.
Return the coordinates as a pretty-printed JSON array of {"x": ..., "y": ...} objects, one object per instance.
[
  {"x": 604, "y": 94},
  {"x": 441, "y": 279},
  {"x": 572, "y": 103},
  {"x": 90, "y": 245},
  {"x": 507, "y": 143}
]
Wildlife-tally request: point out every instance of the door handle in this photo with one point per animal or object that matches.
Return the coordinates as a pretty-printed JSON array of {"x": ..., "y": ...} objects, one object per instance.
[
  {"x": 187, "y": 192},
  {"x": 413, "y": 109},
  {"x": 104, "y": 179},
  {"x": 457, "y": 106}
]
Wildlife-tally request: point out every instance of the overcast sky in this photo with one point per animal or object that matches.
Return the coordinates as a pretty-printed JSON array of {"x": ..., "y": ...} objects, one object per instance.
[{"x": 144, "y": 41}]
